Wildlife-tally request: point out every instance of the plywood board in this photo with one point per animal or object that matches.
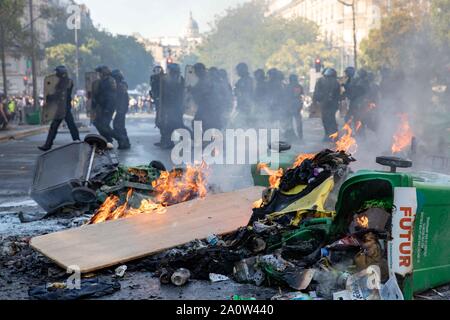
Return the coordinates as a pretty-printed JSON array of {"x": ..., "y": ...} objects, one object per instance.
[{"x": 107, "y": 244}]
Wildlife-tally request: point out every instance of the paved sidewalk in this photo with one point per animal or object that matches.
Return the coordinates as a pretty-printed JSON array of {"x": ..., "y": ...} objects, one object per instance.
[{"x": 15, "y": 132}]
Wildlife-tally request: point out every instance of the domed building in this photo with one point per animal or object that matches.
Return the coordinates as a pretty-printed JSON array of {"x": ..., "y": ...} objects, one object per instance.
[
  {"x": 165, "y": 49},
  {"x": 192, "y": 29},
  {"x": 191, "y": 36}
]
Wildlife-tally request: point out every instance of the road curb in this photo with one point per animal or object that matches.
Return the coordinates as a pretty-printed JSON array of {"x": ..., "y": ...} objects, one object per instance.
[{"x": 23, "y": 134}]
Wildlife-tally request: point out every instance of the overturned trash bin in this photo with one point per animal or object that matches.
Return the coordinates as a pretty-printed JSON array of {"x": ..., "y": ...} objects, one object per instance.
[
  {"x": 417, "y": 246},
  {"x": 70, "y": 175}
]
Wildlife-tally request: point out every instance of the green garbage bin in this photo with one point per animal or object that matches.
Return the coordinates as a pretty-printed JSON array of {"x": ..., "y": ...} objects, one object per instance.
[
  {"x": 33, "y": 118},
  {"x": 419, "y": 250}
]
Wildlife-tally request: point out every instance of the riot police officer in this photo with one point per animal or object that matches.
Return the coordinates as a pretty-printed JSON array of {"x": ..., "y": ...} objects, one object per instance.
[
  {"x": 105, "y": 102},
  {"x": 244, "y": 89},
  {"x": 327, "y": 94},
  {"x": 122, "y": 105},
  {"x": 63, "y": 99},
  {"x": 170, "y": 114}
]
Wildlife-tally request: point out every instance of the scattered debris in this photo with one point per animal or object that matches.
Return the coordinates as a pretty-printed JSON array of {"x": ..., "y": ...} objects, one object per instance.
[
  {"x": 120, "y": 271},
  {"x": 214, "y": 277},
  {"x": 91, "y": 288},
  {"x": 180, "y": 277}
]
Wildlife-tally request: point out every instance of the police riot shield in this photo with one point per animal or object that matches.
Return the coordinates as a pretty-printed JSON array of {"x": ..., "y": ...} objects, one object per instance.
[
  {"x": 50, "y": 106},
  {"x": 91, "y": 83},
  {"x": 190, "y": 77}
]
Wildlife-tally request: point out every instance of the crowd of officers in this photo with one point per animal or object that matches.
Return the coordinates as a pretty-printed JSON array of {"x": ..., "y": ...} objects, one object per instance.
[
  {"x": 264, "y": 100},
  {"x": 356, "y": 95},
  {"x": 258, "y": 101},
  {"x": 109, "y": 99}
]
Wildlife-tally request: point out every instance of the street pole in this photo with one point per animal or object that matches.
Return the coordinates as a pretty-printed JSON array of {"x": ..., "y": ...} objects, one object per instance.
[
  {"x": 3, "y": 58},
  {"x": 355, "y": 38},
  {"x": 77, "y": 61},
  {"x": 77, "y": 52},
  {"x": 33, "y": 56}
]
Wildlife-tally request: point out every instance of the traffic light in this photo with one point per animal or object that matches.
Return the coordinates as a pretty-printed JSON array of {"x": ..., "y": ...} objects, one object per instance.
[
  {"x": 169, "y": 61},
  {"x": 25, "y": 81},
  {"x": 318, "y": 65}
]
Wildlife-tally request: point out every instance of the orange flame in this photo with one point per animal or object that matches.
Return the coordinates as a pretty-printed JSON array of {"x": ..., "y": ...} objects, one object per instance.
[
  {"x": 347, "y": 142},
  {"x": 274, "y": 175},
  {"x": 301, "y": 158},
  {"x": 403, "y": 136},
  {"x": 171, "y": 188},
  {"x": 363, "y": 222}
]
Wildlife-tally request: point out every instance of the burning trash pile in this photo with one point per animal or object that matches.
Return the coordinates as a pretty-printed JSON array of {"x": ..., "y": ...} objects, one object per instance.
[
  {"x": 154, "y": 190},
  {"x": 292, "y": 241}
]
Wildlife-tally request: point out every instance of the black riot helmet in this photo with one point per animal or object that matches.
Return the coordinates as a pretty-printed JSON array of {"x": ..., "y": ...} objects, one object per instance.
[
  {"x": 330, "y": 73},
  {"x": 350, "y": 72},
  {"x": 242, "y": 69},
  {"x": 362, "y": 73},
  {"x": 200, "y": 70},
  {"x": 174, "y": 69},
  {"x": 103, "y": 70},
  {"x": 293, "y": 78},
  {"x": 61, "y": 71},
  {"x": 117, "y": 75},
  {"x": 273, "y": 74},
  {"x": 260, "y": 75}
]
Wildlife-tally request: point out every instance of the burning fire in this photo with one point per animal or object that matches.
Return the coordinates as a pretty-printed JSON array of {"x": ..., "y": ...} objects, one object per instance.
[
  {"x": 171, "y": 188},
  {"x": 363, "y": 222},
  {"x": 274, "y": 175},
  {"x": 347, "y": 142},
  {"x": 301, "y": 158},
  {"x": 403, "y": 136}
]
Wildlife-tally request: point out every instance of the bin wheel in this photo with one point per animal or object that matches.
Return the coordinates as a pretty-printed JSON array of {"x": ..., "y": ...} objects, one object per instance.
[
  {"x": 158, "y": 165},
  {"x": 84, "y": 195},
  {"x": 282, "y": 146},
  {"x": 96, "y": 140},
  {"x": 394, "y": 162}
]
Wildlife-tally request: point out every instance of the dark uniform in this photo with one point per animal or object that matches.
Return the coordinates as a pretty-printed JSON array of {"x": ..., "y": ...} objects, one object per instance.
[
  {"x": 63, "y": 99},
  {"x": 276, "y": 95},
  {"x": 327, "y": 94},
  {"x": 203, "y": 96},
  {"x": 359, "y": 97},
  {"x": 105, "y": 103},
  {"x": 170, "y": 115},
  {"x": 244, "y": 90},
  {"x": 122, "y": 107}
]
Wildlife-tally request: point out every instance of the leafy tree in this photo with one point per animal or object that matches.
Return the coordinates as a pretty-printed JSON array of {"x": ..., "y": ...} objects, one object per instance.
[
  {"x": 11, "y": 31},
  {"x": 98, "y": 47},
  {"x": 440, "y": 10},
  {"x": 245, "y": 34},
  {"x": 299, "y": 58}
]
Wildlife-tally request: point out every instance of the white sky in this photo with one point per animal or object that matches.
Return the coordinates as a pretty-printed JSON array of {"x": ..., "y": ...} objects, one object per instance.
[{"x": 153, "y": 18}]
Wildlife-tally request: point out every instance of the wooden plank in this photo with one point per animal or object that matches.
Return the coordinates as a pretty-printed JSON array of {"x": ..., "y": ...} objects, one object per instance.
[{"x": 110, "y": 243}]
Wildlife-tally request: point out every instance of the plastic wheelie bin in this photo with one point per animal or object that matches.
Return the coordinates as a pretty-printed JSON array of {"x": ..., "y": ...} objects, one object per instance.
[
  {"x": 69, "y": 175},
  {"x": 419, "y": 250}
]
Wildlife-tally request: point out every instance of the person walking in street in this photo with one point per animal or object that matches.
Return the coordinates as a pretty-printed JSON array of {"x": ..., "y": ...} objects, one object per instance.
[
  {"x": 105, "y": 103},
  {"x": 327, "y": 94},
  {"x": 63, "y": 99},
  {"x": 122, "y": 100}
]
